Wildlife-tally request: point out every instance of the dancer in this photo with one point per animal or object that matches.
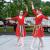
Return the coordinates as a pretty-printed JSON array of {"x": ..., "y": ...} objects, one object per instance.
[
  {"x": 38, "y": 31},
  {"x": 20, "y": 29}
]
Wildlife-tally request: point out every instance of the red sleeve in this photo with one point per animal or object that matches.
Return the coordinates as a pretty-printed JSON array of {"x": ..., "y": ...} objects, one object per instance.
[
  {"x": 45, "y": 17},
  {"x": 34, "y": 11},
  {"x": 14, "y": 18},
  {"x": 25, "y": 14}
]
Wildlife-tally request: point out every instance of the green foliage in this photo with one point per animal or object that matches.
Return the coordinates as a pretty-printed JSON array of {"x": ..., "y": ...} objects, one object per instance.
[
  {"x": 47, "y": 3},
  {"x": 37, "y": 3},
  {"x": 12, "y": 9},
  {"x": 46, "y": 10},
  {"x": 1, "y": 8}
]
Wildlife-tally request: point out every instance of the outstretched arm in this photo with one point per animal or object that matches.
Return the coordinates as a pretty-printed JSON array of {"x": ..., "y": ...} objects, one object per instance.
[
  {"x": 14, "y": 18},
  {"x": 45, "y": 17}
]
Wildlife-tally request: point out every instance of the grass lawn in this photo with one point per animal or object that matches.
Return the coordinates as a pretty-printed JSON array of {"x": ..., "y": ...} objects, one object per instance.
[{"x": 11, "y": 29}]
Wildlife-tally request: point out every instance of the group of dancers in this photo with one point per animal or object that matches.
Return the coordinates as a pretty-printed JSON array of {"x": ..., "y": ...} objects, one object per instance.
[{"x": 38, "y": 30}]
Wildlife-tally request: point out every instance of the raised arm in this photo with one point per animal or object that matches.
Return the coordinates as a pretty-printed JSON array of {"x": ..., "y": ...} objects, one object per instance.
[
  {"x": 33, "y": 9},
  {"x": 26, "y": 7},
  {"x": 26, "y": 12},
  {"x": 32, "y": 5}
]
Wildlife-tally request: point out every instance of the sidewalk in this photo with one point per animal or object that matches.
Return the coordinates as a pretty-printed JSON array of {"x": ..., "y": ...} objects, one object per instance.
[{"x": 8, "y": 42}]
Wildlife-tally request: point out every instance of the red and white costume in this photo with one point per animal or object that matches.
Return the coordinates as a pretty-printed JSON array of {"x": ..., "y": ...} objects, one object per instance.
[
  {"x": 39, "y": 17},
  {"x": 38, "y": 20},
  {"x": 39, "y": 32},
  {"x": 20, "y": 26}
]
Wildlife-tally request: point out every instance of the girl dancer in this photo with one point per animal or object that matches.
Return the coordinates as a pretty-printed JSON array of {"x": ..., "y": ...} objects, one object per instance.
[
  {"x": 20, "y": 29},
  {"x": 38, "y": 31}
]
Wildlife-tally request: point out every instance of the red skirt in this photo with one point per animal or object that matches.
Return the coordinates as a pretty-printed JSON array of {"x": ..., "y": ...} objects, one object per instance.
[
  {"x": 38, "y": 33},
  {"x": 18, "y": 31}
]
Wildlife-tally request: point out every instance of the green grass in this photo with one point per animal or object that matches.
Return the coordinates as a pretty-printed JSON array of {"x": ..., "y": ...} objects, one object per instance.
[{"x": 10, "y": 29}]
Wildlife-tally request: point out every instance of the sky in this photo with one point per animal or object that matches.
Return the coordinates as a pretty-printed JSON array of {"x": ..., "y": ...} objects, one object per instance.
[
  {"x": 46, "y": 0},
  {"x": 42, "y": 0},
  {"x": 8, "y": 0}
]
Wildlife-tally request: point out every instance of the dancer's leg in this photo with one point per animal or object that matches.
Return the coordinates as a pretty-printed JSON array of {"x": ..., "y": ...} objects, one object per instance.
[
  {"x": 39, "y": 44},
  {"x": 22, "y": 41},
  {"x": 33, "y": 42},
  {"x": 41, "y": 41},
  {"x": 21, "y": 37}
]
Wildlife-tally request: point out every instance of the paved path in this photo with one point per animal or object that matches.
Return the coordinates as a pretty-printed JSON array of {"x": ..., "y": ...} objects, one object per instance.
[{"x": 8, "y": 42}]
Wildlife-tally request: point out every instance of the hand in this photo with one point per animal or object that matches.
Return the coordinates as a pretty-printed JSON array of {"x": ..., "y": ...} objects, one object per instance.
[{"x": 31, "y": 2}]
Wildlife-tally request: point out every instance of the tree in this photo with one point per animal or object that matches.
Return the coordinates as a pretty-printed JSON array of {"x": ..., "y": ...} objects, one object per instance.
[
  {"x": 47, "y": 3},
  {"x": 11, "y": 9},
  {"x": 1, "y": 7},
  {"x": 46, "y": 10}
]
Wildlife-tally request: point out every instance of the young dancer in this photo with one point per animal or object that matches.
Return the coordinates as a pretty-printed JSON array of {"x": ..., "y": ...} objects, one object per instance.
[
  {"x": 20, "y": 29},
  {"x": 38, "y": 31}
]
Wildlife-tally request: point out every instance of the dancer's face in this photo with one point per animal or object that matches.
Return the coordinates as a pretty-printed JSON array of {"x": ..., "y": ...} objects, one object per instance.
[
  {"x": 21, "y": 13},
  {"x": 39, "y": 12}
]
